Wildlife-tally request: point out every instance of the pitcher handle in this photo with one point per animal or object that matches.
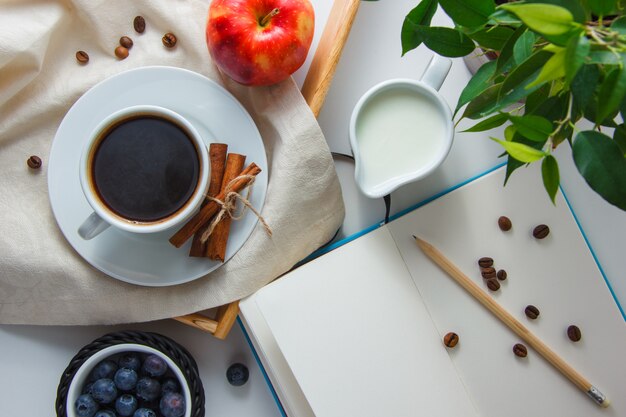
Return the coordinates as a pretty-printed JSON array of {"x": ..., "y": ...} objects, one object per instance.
[{"x": 436, "y": 71}]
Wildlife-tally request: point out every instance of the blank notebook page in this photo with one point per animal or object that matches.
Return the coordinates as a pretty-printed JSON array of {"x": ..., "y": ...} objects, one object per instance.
[{"x": 355, "y": 332}]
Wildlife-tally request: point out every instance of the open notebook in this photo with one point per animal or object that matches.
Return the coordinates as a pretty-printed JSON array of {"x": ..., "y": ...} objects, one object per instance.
[{"x": 358, "y": 331}]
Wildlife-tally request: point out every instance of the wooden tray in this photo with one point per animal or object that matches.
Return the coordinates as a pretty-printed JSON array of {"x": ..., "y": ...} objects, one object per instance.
[{"x": 314, "y": 90}]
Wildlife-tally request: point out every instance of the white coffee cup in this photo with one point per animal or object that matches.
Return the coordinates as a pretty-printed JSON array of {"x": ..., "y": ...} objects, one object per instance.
[
  {"x": 401, "y": 130},
  {"x": 104, "y": 214}
]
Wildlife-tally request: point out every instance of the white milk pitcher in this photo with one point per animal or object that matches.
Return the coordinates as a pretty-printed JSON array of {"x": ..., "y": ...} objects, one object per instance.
[{"x": 401, "y": 130}]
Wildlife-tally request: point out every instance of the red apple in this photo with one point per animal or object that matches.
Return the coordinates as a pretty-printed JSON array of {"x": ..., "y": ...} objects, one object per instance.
[{"x": 259, "y": 42}]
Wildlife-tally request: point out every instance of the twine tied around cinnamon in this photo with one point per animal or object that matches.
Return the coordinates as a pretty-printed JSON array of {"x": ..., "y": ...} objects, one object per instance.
[{"x": 229, "y": 205}]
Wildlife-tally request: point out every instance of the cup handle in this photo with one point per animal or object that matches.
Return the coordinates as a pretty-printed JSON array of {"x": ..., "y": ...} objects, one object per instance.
[
  {"x": 436, "y": 71},
  {"x": 92, "y": 227}
]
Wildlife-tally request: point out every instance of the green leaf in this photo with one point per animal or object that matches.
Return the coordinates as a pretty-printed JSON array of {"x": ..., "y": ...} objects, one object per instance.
[
  {"x": 509, "y": 133},
  {"x": 619, "y": 25},
  {"x": 601, "y": 162},
  {"x": 516, "y": 85},
  {"x": 489, "y": 123},
  {"x": 521, "y": 152},
  {"x": 562, "y": 40},
  {"x": 603, "y": 57},
  {"x": 601, "y": 7},
  {"x": 550, "y": 175},
  {"x": 553, "y": 69},
  {"x": 591, "y": 114},
  {"x": 491, "y": 100},
  {"x": 546, "y": 19},
  {"x": 619, "y": 136},
  {"x": 518, "y": 94},
  {"x": 502, "y": 17},
  {"x": 512, "y": 163},
  {"x": 553, "y": 108},
  {"x": 564, "y": 133},
  {"x": 468, "y": 13},
  {"x": 483, "y": 104},
  {"x": 583, "y": 86},
  {"x": 535, "y": 128},
  {"x": 506, "y": 54},
  {"x": 492, "y": 38},
  {"x": 445, "y": 41},
  {"x": 574, "y": 6},
  {"x": 575, "y": 54},
  {"x": 525, "y": 72},
  {"x": 476, "y": 85},
  {"x": 419, "y": 16},
  {"x": 523, "y": 48},
  {"x": 536, "y": 98},
  {"x": 612, "y": 92}
]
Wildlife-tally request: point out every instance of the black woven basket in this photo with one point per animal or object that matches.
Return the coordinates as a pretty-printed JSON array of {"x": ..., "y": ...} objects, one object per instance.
[{"x": 178, "y": 354}]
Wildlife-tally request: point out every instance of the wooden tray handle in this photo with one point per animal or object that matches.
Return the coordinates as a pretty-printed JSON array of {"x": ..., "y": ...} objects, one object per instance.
[
  {"x": 329, "y": 49},
  {"x": 218, "y": 327}
]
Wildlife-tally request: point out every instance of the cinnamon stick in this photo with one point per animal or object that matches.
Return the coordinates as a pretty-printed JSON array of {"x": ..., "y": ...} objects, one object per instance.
[
  {"x": 216, "y": 244},
  {"x": 217, "y": 158},
  {"x": 211, "y": 208}
]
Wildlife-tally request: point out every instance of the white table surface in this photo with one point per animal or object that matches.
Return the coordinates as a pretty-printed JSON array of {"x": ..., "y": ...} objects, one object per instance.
[{"x": 33, "y": 357}]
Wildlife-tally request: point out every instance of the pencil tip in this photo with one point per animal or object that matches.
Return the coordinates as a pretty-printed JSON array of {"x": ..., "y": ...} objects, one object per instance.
[{"x": 414, "y": 237}]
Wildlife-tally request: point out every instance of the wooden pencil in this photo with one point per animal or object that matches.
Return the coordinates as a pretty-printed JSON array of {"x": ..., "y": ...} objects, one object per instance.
[{"x": 518, "y": 328}]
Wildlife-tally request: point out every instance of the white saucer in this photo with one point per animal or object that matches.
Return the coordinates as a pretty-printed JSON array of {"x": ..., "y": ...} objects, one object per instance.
[{"x": 149, "y": 259}]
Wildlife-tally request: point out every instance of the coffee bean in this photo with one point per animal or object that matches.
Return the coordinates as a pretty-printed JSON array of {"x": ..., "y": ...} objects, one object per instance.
[
  {"x": 121, "y": 52},
  {"x": 34, "y": 162},
  {"x": 139, "y": 24},
  {"x": 504, "y": 223},
  {"x": 488, "y": 273},
  {"x": 485, "y": 262},
  {"x": 451, "y": 339},
  {"x": 82, "y": 57},
  {"x": 126, "y": 42},
  {"x": 169, "y": 40},
  {"x": 531, "y": 312},
  {"x": 541, "y": 231},
  {"x": 493, "y": 284},
  {"x": 501, "y": 275},
  {"x": 520, "y": 350},
  {"x": 574, "y": 334}
]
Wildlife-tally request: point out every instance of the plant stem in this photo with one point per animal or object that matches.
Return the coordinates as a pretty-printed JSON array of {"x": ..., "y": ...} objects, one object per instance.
[
  {"x": 266, "y": 19},
  {"x": 595, "y": 36}
]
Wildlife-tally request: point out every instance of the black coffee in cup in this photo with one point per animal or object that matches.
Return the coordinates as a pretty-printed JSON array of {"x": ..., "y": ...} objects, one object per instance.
[{"x": 144, "y": 168}]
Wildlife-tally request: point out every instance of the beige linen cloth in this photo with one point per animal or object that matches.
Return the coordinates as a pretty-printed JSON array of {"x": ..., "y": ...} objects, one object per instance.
[{"x": 42, "y": 279}]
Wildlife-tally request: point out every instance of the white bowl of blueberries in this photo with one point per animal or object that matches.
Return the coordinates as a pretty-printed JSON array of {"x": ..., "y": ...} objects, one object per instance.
[{"x": 128, "y": 380}]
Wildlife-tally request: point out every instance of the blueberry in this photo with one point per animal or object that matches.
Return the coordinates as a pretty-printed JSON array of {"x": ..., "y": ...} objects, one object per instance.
[
  {"x": 87, "y": 388},
  {"x": 130, "y": 360},
  {"x": 125, "y": 405},
  {"x": 105, "y": 413},
  {"x": 148, "y": 389},
  {"x": 104, "y": 391},
  {"x": 151, "y": 405},
  {"x": 237, "y": 374},
  {"x": 154, "y": 365},
  {"x": 172, "y": 405},
  {"x": 169, "y": 385},
  {"x": 125, "y": 379},
  {"x": 104, "y": 369},
  {"x": 144, "y": 412},
  {"x": 85, "y": 406}
]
